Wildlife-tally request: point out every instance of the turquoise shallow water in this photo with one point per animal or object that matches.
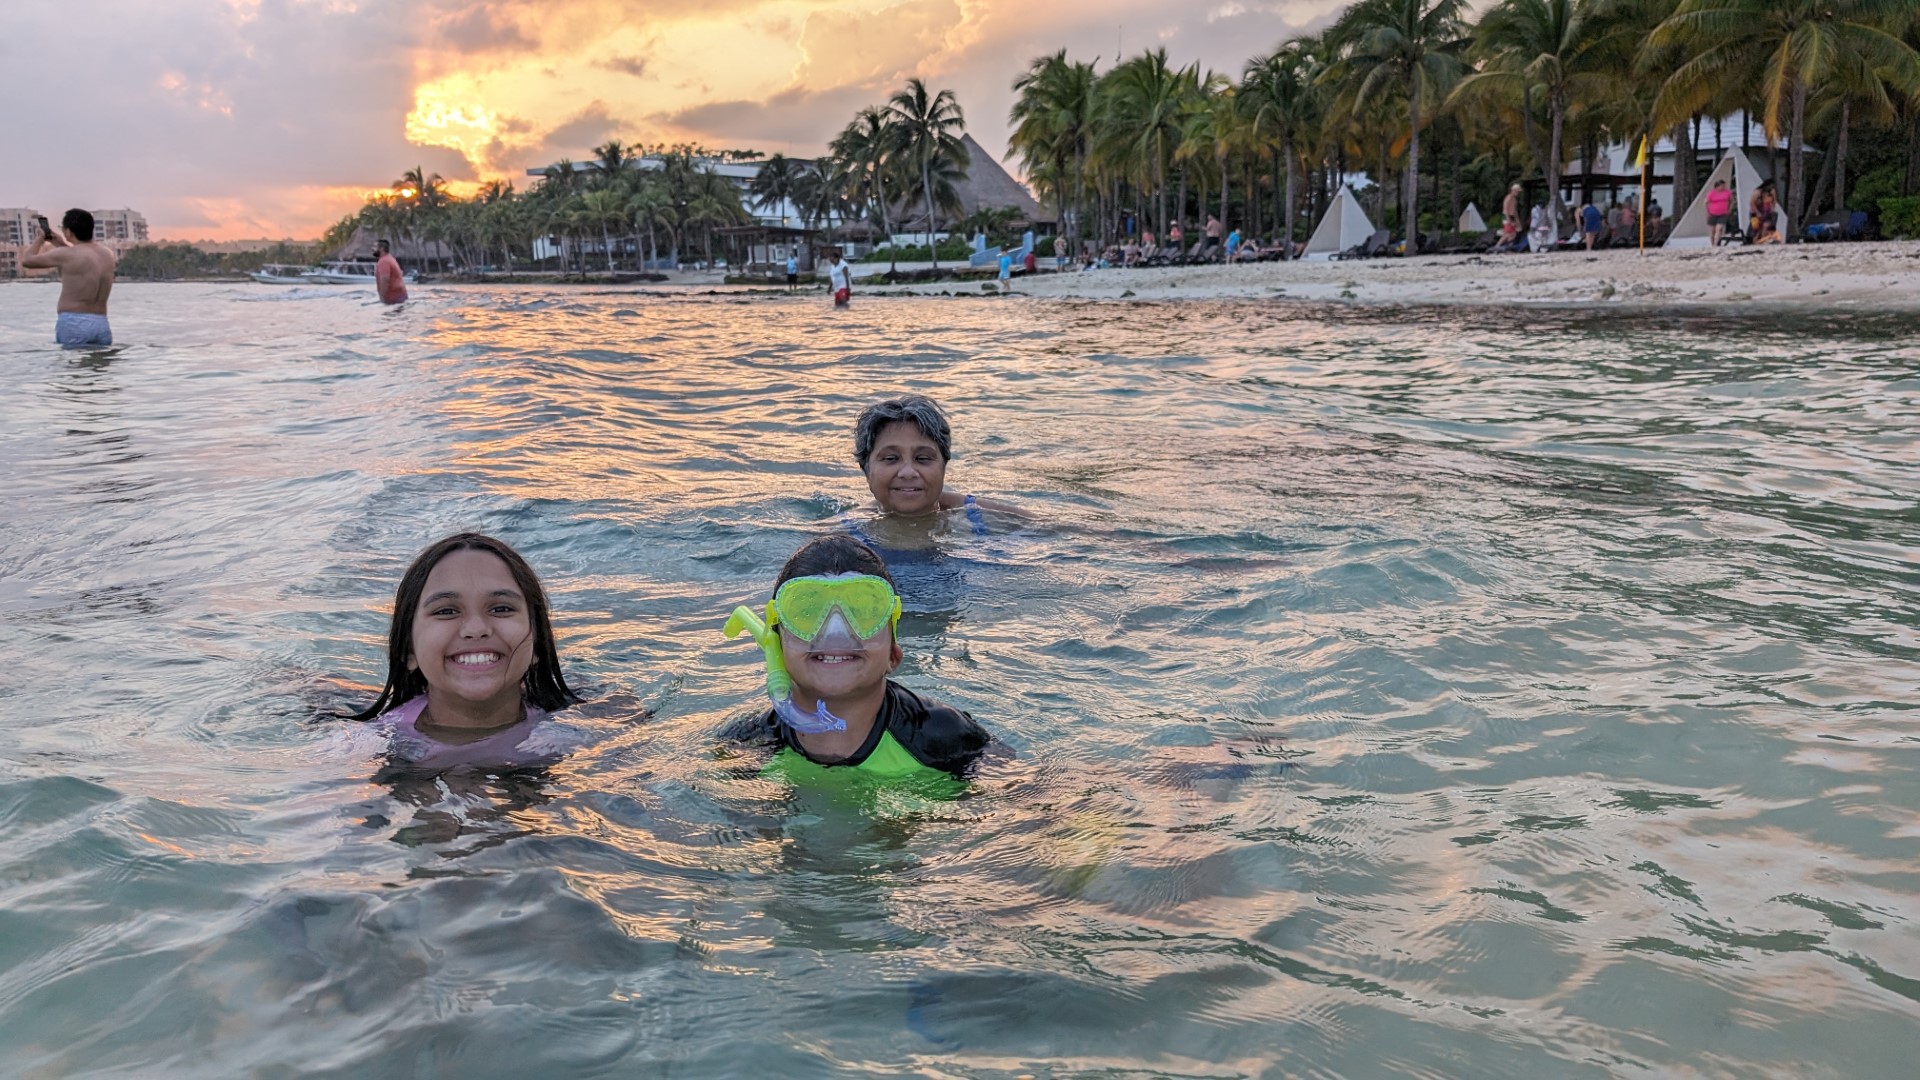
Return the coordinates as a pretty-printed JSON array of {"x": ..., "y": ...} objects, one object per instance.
[{"x": 1393, "y": 693}]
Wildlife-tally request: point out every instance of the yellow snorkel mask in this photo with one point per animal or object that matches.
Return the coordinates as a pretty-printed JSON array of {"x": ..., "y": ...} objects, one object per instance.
[{"x": 838, "y": 612}]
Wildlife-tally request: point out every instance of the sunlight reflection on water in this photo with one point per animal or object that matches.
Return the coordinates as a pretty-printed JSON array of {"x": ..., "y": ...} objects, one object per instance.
[{"x": 1393, "y": 692}]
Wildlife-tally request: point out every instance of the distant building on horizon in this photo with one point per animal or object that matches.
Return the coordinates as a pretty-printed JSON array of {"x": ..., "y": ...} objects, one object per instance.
[
  {"x": 19, "y": 225},
  {"x": 117, "y": 230},
  {"x": 19, "y": 228},
  {"x": 118, "y": 227}
]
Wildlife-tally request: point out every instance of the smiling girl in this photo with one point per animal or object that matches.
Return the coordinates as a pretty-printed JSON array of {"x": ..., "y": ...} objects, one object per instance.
[{"x": 471, "y": 666}]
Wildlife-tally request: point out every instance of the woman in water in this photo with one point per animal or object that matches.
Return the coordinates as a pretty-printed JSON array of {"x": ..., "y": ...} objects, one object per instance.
[
  {"x": 829, "y": 644},
  {"x": 471, "y": 666},
  {"x": 903, "y": 446}
]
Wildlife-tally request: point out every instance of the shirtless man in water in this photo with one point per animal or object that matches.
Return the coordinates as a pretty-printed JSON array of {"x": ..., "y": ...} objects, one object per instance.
[{"x": 86, "y": 277}]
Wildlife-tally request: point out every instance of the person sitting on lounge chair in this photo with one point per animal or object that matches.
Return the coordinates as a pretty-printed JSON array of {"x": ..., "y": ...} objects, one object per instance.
[{"x": 1763, "y": 219}]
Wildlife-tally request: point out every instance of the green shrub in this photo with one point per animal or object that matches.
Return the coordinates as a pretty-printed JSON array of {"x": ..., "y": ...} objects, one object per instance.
[
  {"x": 1874, "y": 185},
  {"x": 952, "y": 249},
  {"x": 1900, "y": 218}
]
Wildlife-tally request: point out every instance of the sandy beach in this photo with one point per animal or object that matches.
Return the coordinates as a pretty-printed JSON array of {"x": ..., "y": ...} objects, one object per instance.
[{"x": 1867, "y": 277}]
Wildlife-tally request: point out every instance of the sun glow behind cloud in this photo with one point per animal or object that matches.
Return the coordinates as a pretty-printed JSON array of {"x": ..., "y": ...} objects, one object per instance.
[
  {"x": 437, "y": 120},
  {"x": 624, "y": 81}
]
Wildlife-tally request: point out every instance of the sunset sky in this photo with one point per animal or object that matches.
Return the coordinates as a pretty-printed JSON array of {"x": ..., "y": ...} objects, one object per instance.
[{"x": 228, "y": 119}]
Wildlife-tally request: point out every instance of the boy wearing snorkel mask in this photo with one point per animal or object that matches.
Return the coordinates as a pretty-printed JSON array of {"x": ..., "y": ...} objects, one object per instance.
[{"x": 828, "y": 638}]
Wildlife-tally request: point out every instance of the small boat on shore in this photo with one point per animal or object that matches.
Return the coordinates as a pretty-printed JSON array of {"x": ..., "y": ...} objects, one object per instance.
[
  {"x": 281, "y": 274},
  {"x": 350, "y": 272}
]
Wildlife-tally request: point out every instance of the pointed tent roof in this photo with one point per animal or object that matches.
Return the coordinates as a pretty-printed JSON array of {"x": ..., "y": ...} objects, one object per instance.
[
  {"x": 1471, "y": 221},
  {"x": 1691, "y": 229},
  {"x": 1344, "y": 226},
  {"x": 987, "y": 186}
]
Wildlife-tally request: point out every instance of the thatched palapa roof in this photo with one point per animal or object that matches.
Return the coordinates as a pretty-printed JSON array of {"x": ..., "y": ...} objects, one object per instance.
[{"x": 987, "y": 186}]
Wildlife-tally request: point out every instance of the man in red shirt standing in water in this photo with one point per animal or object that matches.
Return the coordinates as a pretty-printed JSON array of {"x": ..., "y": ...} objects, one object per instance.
[{"x": 386, "y": 276}]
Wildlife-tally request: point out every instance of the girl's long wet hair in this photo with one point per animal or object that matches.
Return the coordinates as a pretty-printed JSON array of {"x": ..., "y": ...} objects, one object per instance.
[{"x": 543, "y": 685}]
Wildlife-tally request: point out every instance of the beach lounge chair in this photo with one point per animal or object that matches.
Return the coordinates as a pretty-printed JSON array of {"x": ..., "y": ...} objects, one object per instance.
[
  {"x": 1372, "y": 248},
  {"x": 1837, "y": 225}
]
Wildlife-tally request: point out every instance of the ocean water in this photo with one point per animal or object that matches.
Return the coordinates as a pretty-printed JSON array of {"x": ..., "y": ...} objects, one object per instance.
[{"x": 1392, "y": 693}]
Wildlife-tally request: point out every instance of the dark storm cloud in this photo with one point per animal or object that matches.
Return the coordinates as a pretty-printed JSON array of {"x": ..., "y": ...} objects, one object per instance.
[
  {"x": 625, "y": 65},
  {"x": 484, "y": 28},
  {"x": 573, "y": 139},
  {"x": 804, "y": 119}
]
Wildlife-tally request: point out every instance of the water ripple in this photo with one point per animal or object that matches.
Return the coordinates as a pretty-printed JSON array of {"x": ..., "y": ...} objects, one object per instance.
[{"x": 1392, "y": 693}]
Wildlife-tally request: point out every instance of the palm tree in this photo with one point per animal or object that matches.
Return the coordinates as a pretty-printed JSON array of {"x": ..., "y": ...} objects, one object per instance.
[
  {"x": 804, "y": 190},
  {"x": 561, "y": 176},
  {"x": 499, "y": 223},
  {"x": 1202, "y": 148},
  {"x": 1543, "y": 51},
  {"x": 1142, "y": 104},
  {"x": 1797, "y": 46},
  {"x": 871, "y": 144},
  {"x": 429, "y": 191},
  {"x": 611, "y": 158},
  {"x": 1053, "y": 121},
  {"x": 651, "y": 207},
  {"x": 772, "y": 186},
  {"x": 707, "y": 211},
  {"x": 930, "y": 129},
  {"x": 1412, "y": 46},
  {"x": 602, "y": 209},
  {"x": 1278, "y": 90}
]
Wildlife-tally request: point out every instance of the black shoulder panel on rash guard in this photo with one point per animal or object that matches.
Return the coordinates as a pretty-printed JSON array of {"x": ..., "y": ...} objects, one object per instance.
[{"x": 938, "y": 736}]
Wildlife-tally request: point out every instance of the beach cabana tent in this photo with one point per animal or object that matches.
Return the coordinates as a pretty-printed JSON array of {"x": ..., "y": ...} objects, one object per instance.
[
  {"x": 1471, "y": 221},
  {"x": 1690, "y": 230},
  {"x": 1344, "y": 225}
]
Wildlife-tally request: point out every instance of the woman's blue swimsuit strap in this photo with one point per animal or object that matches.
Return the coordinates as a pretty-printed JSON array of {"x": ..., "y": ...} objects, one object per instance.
[{"x": 975, "y": 516}]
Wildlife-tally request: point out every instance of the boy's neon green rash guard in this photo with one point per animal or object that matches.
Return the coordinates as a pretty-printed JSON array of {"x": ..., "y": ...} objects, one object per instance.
[{"x": 912, "y": 736}]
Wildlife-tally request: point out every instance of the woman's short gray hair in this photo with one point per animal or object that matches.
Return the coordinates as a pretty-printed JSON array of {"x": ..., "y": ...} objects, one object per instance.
[{"x": 916, "y": 409}]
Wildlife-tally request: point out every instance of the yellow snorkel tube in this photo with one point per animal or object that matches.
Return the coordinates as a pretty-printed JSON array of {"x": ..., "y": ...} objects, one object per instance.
[{"x": 779, "y": 684}]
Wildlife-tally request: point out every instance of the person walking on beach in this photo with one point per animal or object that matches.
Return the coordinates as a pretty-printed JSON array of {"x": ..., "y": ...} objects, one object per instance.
[
  {"x": 793, "y": 270},
  {"x": 86, "y": 277},
  {"x": 839, "y": 278},
  {"x": 1539, "y": 230},
  {"x": 1213, "y": 236},
  {"x": 1006, "y": 268},
  {"x": 1590, "y": 223},
  {"x": 1719, "y": 212},
  {"x": 387, "y": 279}
]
